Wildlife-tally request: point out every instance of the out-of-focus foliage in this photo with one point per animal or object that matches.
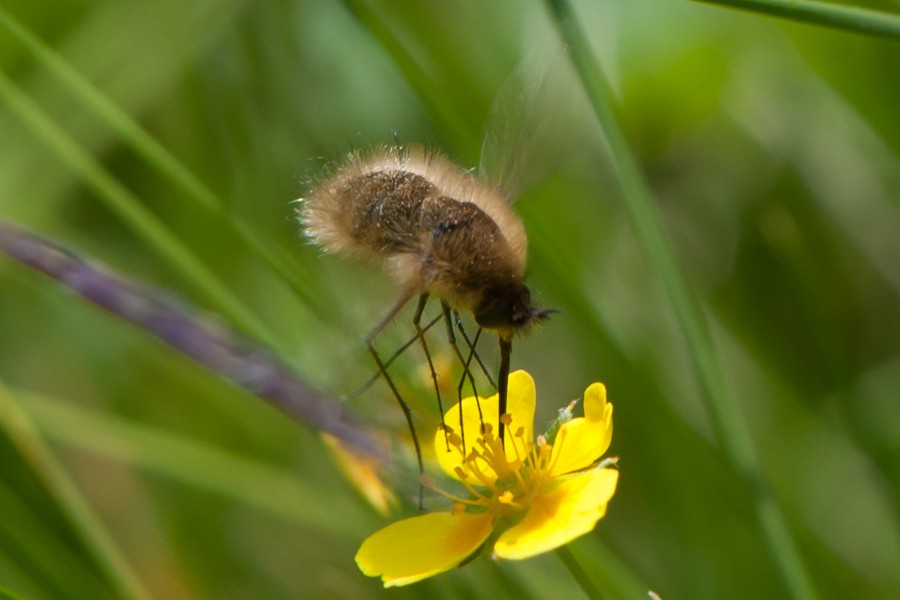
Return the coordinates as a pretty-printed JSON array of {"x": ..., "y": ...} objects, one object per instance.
[{"x": 772, "y": 149}]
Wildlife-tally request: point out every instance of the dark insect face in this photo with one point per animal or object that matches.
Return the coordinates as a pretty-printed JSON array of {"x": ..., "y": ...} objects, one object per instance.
[{"x": 507, "y": 310}]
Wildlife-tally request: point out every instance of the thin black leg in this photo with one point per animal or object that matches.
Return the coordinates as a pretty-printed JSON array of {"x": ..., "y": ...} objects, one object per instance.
[
  {"x": 472, "y": 344},
  {"x": 365, "y": 386},
  {"x": 420, "y": 334},
  {"x": 370, "y": 339}
]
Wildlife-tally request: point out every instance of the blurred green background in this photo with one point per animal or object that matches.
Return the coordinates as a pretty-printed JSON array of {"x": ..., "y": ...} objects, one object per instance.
[{"x": 771, "y": 149}]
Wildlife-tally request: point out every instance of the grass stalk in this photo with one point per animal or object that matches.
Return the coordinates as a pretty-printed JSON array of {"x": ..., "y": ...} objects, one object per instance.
[
  {"x": 193, "y": 463},
  {"x": 848, "y": 18},
  {"x": 81, "y": 516},
  {"x": 137, "y": 217},
  {"x": 132, "y": 134},
  {"x": 730, "y": 427}
]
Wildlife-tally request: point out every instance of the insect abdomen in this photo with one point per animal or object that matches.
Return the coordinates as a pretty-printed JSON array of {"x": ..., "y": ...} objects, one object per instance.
[
  {"x": 371, "y": 215},
  {"x": 436, "y": 230},
  {"x": 391, "y": 210}
]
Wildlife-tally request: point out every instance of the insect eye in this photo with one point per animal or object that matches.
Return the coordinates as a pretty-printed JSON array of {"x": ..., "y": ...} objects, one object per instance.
[
  {"x": 497, "y": 315},
  {"x": 509, "y": 309}
]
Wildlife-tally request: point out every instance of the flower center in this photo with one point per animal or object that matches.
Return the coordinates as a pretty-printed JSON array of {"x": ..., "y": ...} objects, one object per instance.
[{"x": 503, "y": 477}]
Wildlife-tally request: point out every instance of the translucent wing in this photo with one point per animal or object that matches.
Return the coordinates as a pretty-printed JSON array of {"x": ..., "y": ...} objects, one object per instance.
[{"x": 533, "y": 122}]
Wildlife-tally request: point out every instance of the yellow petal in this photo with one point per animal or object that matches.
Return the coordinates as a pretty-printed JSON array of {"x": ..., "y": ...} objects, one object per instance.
[
  {"x": 581, "y": 441},
  {"x": 520, "y": 405},
  {"x": 569, "y": 510},
  {"x": 364, "y": 473},
  {"x": 412, "y": 549}
]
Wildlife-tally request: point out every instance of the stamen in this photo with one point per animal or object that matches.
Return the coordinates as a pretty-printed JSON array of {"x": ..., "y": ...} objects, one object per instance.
[
  {"x": 540, "y": 452},
  {"x": 507, "y": 498},
  {"x": 521, "y": 480},
  {"x": 479, "y": 500},
  {"x": 479, "y": 474},
  {"x": 560, "y": 440}
]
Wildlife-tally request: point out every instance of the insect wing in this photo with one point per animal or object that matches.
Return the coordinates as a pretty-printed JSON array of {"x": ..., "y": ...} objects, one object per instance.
[{"x": 534, "y": 123}]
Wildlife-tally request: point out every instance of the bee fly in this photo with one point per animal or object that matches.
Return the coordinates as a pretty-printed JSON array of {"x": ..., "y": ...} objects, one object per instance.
[{"x": 440, "y": 232}]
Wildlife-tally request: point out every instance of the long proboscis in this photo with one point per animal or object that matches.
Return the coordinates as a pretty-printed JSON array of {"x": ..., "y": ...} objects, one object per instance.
[
  {"x": 241, "y": 361},
  {"x": 503, "y": 382}
]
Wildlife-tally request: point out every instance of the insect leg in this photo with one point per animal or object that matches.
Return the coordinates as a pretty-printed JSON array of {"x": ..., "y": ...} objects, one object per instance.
[
  {"x": 471, "y": 344},
  {"x": 420, "y": 333},
  {"x": 391, "y": 360},
  {"x": 462, "y": 380},
  {"x": 466, "y": 372},
  {"x": 370, "y": 339}
]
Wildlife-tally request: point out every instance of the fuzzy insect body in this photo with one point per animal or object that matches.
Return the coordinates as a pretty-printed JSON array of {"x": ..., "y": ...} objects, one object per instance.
[
  {"x": 441, "y": 233},
  {"x": 439, "y": 229}
]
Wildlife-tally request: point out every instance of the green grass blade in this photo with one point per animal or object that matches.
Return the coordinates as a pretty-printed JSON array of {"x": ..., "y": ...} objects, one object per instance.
[
  {"x": 445, "y": 115},
  {"x": 849, "y": 18},
  {"x": 8, "y": 594},
  {"x": 30, "y": 540},
  {"x": 599, "y": 571},
  {"x": 145, "y": 225},
  {"x": 730, "y": 427},
  {"x": 43, "y": 463},
  {"x": 579, "y": 574},
  {"x": 195, "y": 464},
  {"x": 96, "y": 102},
  {"x": 130, "y": 132}
]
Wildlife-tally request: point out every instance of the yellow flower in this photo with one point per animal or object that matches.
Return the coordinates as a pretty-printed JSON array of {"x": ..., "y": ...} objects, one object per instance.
[{"x": 528, "y": 496}]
